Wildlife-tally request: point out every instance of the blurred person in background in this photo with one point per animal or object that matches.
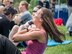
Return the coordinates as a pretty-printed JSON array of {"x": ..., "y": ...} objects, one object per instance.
[
  {"x": 69, "y": 21},
  {"x": 23, "y": 11},
  {"x": 69, "y": 25},
  {"x": 2, "y": 8},
  {"x": 24, "y": 15},
  {"x": 6, "y": 21},
  {"x": 52, "y": 5},
  {"x": 44, "y": 3},
  {"x": 8, "y": 3},
  {"x": 69, "y": 3}
]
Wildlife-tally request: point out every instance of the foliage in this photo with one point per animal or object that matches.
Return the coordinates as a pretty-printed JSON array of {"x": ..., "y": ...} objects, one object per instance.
[
  {"x": 28, "y": 1},
  {"x": 63, "y": 1},
  {"x": 33, "y": 3}
]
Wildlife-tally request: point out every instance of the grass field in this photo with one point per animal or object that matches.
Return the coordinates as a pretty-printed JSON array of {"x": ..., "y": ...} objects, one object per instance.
[{"x": 60, "y": 49}]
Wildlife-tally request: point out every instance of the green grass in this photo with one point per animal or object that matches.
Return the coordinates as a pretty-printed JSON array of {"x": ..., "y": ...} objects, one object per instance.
[{"x": 60, "y": 49}]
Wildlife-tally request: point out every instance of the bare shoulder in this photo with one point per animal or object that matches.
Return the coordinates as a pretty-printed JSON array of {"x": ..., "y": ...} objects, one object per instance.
[
  {"x": 42, "y": 37},
  {"x": 39, "y": 33}
]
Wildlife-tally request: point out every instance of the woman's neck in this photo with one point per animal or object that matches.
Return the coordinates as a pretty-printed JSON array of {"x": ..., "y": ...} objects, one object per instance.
[{"x": 39, "y": 26}]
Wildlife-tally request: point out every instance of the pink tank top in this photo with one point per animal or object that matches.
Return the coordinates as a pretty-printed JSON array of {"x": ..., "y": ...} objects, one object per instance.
[{"x": 35, "y": 48}]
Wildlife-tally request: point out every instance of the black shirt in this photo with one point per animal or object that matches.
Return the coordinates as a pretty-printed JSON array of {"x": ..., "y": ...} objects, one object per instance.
[
  {"x": 44, "y": 4},
  {"x": 69, "y": 2},
  {"x": 5, "y": 25}
]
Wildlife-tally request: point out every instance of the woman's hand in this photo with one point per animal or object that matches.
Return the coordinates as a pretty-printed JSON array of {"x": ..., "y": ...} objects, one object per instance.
[{"x": 33, "y": 28}]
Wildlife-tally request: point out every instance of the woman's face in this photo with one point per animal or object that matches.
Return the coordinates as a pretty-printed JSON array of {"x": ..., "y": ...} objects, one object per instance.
[
  {"x": 37, "y": 16},
  {"x": 17, "y": 19},
  {"x": 42, "y": 0},
  {"x": 21, "y": 7},
  {"x": 6, "y": 3}
]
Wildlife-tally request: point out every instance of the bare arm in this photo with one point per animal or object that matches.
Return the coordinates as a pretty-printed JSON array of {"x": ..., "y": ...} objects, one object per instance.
[
  {"x": 22, "y": 30},
  {"x": 27, "y": 36},
  {"x": 13, "y": 31}
]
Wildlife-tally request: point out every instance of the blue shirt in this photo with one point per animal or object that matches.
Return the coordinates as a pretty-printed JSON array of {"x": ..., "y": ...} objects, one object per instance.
[{"x": 26, "y": 17}]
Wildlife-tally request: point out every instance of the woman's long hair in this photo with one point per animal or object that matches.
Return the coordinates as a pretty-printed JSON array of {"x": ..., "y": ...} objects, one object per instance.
[{"x": 49, "y": 25}]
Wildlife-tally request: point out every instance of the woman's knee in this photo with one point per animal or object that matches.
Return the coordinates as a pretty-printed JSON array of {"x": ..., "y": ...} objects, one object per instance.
[{"x": 16, "y": 27}]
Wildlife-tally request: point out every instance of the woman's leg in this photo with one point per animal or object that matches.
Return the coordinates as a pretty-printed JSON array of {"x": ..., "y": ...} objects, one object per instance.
[
  {"x": 7, "y": 47},
  {"x": 13, "y": 31}
]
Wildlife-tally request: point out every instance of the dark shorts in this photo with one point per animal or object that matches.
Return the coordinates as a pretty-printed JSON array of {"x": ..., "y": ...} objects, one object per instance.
[{"x": 7, "y": 47}]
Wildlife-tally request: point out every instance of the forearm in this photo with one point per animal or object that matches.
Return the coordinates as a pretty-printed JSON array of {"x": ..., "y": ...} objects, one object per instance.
[
  {"x": 23, "y": 31},
  {"x": 13, "y": 31}
]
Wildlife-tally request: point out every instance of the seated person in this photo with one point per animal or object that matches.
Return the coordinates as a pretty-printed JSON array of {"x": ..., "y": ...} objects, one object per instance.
[
  {"x": 38, "y": 36},
  {"x": 6, "y": 23}
]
